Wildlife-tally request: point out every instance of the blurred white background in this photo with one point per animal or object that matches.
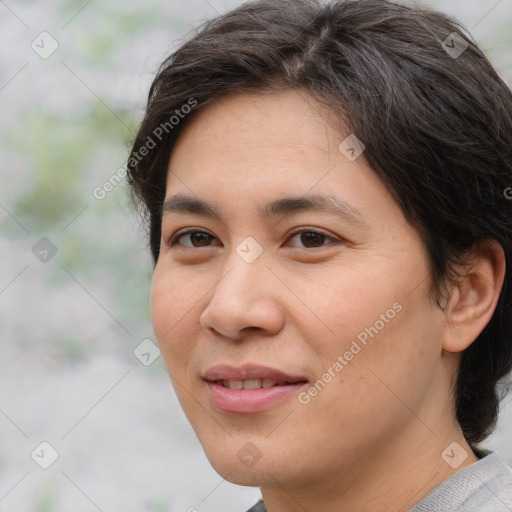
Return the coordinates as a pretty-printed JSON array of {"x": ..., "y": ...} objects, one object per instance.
[{"x": 74, "y": 308}]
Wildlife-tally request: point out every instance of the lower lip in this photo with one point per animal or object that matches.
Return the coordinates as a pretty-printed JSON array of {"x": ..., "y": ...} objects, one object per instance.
[{"x": 248, "y": 401}]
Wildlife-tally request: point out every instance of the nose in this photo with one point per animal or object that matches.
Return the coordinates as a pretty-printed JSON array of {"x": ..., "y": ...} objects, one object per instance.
[{"x": 246, "y": 299}]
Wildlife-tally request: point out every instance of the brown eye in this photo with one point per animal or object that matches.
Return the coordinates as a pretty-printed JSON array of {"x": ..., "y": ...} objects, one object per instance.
[
  {"x": 309, "y": 239},
  {"x": 312, "y": 239},
  {"x": 193, "y": 239}
]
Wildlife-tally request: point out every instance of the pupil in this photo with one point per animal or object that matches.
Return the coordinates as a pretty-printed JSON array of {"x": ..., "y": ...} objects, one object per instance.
[
  {"x": 310, "y": 239},
  {"x": 200, "y": 239}
]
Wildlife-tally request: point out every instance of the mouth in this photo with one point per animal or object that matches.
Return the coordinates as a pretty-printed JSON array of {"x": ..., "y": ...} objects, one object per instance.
[
  {"x": 251, "y": 374},
  {"x": 250, "y": 389},
  {"x": 254, "y": 383}
]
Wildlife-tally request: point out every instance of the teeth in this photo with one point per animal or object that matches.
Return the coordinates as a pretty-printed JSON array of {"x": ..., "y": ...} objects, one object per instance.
[
  {"x": 233, "y": 384},
  {"x": 251, "y": 383}
]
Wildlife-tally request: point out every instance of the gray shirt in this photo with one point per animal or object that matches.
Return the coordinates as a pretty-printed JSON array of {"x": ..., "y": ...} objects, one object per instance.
[{"x": 484, "y": 486}]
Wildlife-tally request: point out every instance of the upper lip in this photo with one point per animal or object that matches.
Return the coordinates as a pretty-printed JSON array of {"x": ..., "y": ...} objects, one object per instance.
[{"x": 248, "y": 372}]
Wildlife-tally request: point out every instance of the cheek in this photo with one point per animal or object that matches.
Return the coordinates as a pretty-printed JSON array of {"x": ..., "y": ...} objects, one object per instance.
[
  {"x": 350, "y": 308},
  {"x": 387, "y": 338},
  {"x": 172, "y": 314},
  {"x": 162, "y": 294},
  {"x": 385, "y": 379}
]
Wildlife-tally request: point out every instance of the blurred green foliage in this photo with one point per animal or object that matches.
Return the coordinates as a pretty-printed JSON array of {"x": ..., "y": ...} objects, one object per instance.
[{"x": 46, "y": 500}]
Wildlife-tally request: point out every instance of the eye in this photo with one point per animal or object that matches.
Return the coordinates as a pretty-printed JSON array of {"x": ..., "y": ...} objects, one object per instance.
[
  {"x": 310, "y": 238},
  {"x": 305, "y": 237},
  {"x": 192, "y": 238}
]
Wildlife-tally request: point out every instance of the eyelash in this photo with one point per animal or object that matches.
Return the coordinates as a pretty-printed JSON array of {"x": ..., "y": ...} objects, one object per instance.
[{"x": 294, "y": 232}]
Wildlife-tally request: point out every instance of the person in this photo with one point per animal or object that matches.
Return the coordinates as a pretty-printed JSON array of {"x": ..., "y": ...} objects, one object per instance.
[{"x": 324, "y": 186}]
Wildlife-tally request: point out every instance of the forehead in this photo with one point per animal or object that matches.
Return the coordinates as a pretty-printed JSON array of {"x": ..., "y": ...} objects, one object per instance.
[
  {"x": 267, "y": 142},
  {"x": 248, "y": 149},
  {"x": 287, "y": 121}
]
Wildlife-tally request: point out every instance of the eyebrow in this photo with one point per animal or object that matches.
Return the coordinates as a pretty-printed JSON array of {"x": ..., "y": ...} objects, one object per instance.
[{"x": 283, "y": 206}]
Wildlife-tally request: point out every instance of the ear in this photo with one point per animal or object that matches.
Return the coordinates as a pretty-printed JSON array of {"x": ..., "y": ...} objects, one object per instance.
[{"x": 473, "y": 300}]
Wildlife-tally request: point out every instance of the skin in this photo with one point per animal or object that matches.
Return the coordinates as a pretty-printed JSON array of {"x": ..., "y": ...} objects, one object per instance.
[{"x": 372, "y": 438}]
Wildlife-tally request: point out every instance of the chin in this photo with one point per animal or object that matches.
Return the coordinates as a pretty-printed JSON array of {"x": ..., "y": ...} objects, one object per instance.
[
  {"x": 239, "y": 474},
  {"x": 241, "y": 464}
]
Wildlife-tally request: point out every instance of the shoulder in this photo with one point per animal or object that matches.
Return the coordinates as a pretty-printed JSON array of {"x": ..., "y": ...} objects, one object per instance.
[{"x": 485, "y": 486}]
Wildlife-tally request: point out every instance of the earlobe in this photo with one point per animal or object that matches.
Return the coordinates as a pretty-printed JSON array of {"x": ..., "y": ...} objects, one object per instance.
[{"x": 473, "y": 300}]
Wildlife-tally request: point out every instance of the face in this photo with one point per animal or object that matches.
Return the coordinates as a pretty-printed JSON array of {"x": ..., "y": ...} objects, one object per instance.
[{"x": 286, "y": 263}]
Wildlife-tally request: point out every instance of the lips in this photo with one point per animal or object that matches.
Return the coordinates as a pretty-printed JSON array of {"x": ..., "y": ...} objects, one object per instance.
[
  {"x": 248, "y": 372},
  {"x": 250, "y": 388}
]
